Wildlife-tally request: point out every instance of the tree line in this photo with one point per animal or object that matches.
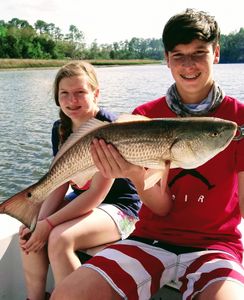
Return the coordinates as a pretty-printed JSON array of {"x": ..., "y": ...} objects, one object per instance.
[{"x": 19, "y": 39}]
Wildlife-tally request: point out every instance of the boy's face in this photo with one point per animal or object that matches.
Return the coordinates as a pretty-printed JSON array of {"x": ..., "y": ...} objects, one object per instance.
[{"x": 191, "y": 66}]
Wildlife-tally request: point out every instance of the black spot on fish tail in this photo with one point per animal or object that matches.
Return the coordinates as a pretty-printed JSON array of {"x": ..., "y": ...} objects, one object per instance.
[{"x": 21, "y": 209}]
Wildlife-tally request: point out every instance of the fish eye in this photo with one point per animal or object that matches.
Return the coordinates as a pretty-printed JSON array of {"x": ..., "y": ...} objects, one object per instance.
[
  {"x": 215, "y": 133},
  {"x": 29, "y": 195}
]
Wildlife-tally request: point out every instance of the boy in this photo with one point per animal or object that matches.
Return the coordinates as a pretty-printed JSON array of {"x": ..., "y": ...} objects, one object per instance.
[{"x": 188, "y": 230}]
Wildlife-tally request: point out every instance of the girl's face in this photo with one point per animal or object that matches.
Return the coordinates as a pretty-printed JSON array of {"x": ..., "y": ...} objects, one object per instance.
[
  {"x": 191, "y": 66},
  {"x": 77, "y": 99}
]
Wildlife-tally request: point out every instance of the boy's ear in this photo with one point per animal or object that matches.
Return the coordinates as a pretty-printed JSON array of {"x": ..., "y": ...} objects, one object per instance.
[
  {"x": 166, "y": 56},
  {"x": 217, "y": 54}
]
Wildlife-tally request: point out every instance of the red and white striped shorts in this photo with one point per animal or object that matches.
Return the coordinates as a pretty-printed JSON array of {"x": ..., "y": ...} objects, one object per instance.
[{"x": 137, "y": 270}]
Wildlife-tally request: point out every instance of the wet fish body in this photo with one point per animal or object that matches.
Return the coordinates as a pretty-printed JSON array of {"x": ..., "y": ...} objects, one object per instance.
[{"x": 185, "y": 142}]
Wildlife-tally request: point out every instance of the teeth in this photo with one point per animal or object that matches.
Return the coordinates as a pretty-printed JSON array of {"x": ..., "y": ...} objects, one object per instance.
[{"x": 190, "y": 76}]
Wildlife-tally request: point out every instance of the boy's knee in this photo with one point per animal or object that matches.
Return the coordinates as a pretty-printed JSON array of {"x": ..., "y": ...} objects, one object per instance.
[{"x": 59, "y": 294}]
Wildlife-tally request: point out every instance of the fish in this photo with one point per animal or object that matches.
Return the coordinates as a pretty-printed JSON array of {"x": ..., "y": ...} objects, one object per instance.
[{"x": 151, "y": 143}]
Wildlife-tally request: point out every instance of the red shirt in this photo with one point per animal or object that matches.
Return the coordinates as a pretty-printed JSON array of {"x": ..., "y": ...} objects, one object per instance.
[{"x": 206, "y": 211}]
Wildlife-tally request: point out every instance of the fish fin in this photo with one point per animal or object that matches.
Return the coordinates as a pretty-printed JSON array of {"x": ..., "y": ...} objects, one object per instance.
[
  {"x": 152, "y": 176},
  {"x": 23, "y": 210},
  {"x": 164, "y": 179},
  {"x": 81, "y": 179},
  {"x": 130, "y": 118},
  {"x": 84, "y": 129}
]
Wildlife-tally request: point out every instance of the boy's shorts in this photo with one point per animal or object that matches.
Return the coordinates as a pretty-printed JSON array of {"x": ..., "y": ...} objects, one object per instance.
[{"x": 137, "y": 270}]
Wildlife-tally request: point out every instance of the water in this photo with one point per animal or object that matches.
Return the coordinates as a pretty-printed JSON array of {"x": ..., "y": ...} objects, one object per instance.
[{"x": 27, "y": 112}]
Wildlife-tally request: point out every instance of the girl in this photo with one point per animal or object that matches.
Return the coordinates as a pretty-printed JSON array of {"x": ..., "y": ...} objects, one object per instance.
[{"x": 103, "y": 211}]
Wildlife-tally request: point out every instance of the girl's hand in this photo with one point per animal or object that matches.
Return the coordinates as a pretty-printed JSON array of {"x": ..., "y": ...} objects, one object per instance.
[
  {"x": 38, "y": 238},
  {"x": 24, "y": 235}
]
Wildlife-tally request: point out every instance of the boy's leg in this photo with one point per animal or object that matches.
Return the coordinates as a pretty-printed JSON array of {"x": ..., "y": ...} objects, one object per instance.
[
  {"x": 211, "y": 275},
  {"x": 134, "y": 269},
  {"x": 85, "y": 284},
  {"x": 222, "y": 290}
]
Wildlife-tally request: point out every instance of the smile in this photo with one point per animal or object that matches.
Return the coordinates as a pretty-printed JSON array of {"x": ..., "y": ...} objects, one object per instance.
[
  {"x": 190, "y": 76},
  {"x": 74, "y": 108}
]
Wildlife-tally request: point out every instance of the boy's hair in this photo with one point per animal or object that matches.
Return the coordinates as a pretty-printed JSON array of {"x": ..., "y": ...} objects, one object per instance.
[{"x": 189, "y": 25}]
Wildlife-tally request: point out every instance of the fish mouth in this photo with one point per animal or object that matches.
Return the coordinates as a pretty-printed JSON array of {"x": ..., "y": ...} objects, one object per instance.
[
  {"x": 239, "y": 133},
  {"x": 232, "y": 134},
  {"x": 228, "y": 140}
]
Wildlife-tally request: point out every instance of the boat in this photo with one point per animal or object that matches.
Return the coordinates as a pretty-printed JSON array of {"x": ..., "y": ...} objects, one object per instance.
[{"x": 12, "y": 285}]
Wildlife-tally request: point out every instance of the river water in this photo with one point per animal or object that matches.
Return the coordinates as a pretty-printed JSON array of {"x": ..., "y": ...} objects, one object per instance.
[{"x": 27, "y": 111}]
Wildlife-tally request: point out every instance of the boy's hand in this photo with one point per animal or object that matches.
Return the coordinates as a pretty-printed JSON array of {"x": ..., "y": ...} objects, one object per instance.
[{"x": 111, "y": 163}]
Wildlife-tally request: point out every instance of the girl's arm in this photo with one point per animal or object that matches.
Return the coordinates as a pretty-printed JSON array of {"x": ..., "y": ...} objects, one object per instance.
[
  {"x": 112, "y": 165},
  {"x": 85, "y": 202},
  {"x": 53, "y": 201},
  {"x": 42, "y": 230},
  {"x": 81, "y": 205}
]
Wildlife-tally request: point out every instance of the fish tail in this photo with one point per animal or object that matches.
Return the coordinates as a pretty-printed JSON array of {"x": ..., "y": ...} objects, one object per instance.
[{"x": 21, "y": 209}]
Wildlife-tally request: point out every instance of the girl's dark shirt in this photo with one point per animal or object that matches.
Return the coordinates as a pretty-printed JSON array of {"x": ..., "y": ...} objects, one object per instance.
[{"x": 123, "y": 193}]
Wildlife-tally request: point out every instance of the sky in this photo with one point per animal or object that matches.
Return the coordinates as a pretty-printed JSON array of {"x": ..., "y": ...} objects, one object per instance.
[{"x": 108, "y": 21}]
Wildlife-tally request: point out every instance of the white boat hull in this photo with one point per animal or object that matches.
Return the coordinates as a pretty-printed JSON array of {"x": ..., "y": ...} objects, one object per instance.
[{"x": 12, "y": 286}]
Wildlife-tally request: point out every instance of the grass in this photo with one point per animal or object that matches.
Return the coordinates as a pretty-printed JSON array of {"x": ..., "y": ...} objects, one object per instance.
[{"x": 6, "y": 63}]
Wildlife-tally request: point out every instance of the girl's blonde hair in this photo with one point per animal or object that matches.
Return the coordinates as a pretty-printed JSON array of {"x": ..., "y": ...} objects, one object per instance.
[{"x": 75, "y": 68}]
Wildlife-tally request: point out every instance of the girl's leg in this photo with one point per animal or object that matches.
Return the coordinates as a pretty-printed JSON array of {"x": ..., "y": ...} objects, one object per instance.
[
  {"x": 92, "y": 229},
  {"x": 35, "y": 266}
]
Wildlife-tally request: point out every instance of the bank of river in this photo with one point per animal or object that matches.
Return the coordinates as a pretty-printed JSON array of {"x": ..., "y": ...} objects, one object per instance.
[{"x": 53, "y": 63}]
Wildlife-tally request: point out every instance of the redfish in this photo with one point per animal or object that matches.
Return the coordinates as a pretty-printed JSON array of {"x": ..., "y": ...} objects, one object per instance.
[{"x": 184, "y": 142}]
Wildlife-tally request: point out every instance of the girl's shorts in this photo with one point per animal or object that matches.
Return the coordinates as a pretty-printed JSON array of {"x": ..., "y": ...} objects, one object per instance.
[
  {"x": 124, "y": 222},
  {"x": 137, "y": 270}
]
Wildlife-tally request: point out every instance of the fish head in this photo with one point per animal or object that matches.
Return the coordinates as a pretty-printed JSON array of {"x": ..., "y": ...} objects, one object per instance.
[{"x": 200, "y": 139}]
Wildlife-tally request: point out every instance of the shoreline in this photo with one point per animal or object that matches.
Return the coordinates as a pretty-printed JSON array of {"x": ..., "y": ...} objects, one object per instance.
[{"x": 11, "y": 64}]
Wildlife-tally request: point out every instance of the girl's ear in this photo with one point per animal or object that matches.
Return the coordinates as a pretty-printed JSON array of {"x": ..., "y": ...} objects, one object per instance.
[{"x": 96, "y": 95}]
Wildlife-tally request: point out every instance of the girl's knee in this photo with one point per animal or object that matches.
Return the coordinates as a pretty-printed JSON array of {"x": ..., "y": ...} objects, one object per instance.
[{"x": 58, "y": 241}]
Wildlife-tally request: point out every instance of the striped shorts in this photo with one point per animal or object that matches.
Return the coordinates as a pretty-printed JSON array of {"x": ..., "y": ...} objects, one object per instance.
[{"x": 137, "y": 270}]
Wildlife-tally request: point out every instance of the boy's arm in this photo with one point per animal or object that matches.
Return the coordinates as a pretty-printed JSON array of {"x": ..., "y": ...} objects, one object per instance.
[
  {"x": 112, "y": 165},
  {"x": 241, "y": 191}
]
